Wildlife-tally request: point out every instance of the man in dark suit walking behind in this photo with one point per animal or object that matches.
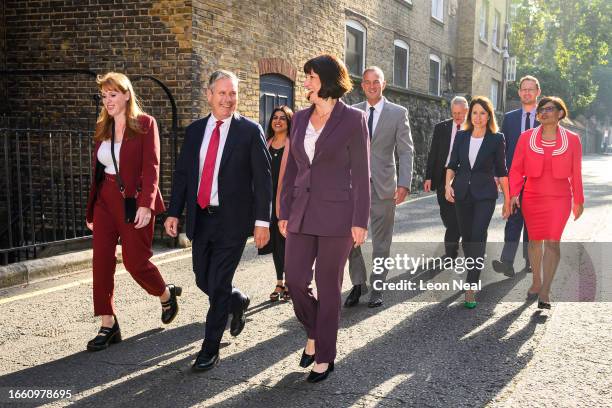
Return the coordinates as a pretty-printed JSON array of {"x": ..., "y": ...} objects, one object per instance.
[
  {"x": 223, "y": 178},
  {"x": 435, "y": 173},
  {"x": 515, "y": 123}
]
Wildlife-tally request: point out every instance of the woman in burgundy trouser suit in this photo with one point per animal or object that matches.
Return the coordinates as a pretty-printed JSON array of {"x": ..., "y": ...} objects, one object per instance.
[
  {"x": 137, "y": 157},
  {"x": 325, "y": 205}
]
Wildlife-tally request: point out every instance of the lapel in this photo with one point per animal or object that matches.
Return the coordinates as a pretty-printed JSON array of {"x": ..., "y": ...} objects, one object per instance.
[
  {"x": 233, "y": 137},
  {"x": 446, "y": 138},
  {"x": 333, "y": 121},
  {"x": 488, "y": 139},
  {"x": 381, "y": 119},
  {"x": 129, "y": 138},
  {"x": 199, "y": 130},
  {"x": 297, "y": 137}
]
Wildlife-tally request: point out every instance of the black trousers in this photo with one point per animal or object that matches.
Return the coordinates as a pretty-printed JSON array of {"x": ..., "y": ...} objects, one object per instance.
[
  {"x": 474, "y": 217},
  {"x": 277, "y": 241},
  {"x": 449, "y": 219},
  {"x": 214, "y": 264}
]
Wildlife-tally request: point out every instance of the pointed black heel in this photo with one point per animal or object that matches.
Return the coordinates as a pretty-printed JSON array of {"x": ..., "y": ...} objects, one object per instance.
[
  {"x": 171, "y": 304},
  {"x": 306, "y": 359},
  {"x": 106, "y": 336},
  {"x": 315, "y": 377},
  {"x": 543, "y": 305}
]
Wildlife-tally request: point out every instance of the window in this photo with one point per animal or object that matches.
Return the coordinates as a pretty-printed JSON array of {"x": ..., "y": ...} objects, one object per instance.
[
  {"x": 400, "y": 63},
  {"x": 495, "y": 93},
  {"x": 434, "y": 75},
  {"x": 495, "y": 38},
  {"x": 484, "y": 20},
  {"x": 354, "y": 54},
  {"x": 437, "y": 9}
]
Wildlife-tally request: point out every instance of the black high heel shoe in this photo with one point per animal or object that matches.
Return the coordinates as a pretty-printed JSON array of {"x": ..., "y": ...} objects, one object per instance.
[
  {"x": 106, "y": 336},
  {"x": 543, "y": 305},
  {"x": 306, "y": 359},
  {"x": 171, "y": 304},
  {"x": 315, "y": 377}
]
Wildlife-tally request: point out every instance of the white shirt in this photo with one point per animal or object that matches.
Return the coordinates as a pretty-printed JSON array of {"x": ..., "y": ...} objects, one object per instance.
[
  {"x": 104, "y": 156},
  {"x": 450, "y": 148},
  {"x": 377, "y": 110},
  {"x": 532, "y": 117},
  {"x": 224, "y": 130},
  {"x": 475, "y": 143},
  {"x": 310, "y": 140}
]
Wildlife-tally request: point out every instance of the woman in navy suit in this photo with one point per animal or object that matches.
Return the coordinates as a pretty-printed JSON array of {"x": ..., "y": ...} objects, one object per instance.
[
  {"x": 325, "y": 205},
  {"x": 478, "y": 156}
]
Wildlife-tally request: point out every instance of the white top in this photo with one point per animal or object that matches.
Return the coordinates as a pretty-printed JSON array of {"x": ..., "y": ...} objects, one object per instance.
[
  {"x": 377, "y": 111},
  {"x": 310, "y": 140},
  {"x": 450, "y": 148},
  {"x": 104, "y": 156},
  {"x": 224, "y": 130},
  {"x": 475, "y": 143}
]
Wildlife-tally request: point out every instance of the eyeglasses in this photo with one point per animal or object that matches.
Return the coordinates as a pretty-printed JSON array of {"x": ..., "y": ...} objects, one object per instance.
[{"x": 547, "y": 109}]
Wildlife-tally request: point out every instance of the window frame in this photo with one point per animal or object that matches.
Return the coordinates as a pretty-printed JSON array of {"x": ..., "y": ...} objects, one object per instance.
[
  {"x": 484, "y": 20},
  {"x": 437, "y": 5},
  {"x": 435, "y": 58},
  {"x": 495, "y": 35},
  {"x": 495, "y": 101},
  {"x": 401, "y": 44},
  {"x": 356, "y": 25}
]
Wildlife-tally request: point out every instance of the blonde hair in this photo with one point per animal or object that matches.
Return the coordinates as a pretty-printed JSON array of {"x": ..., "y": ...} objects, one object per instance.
[{"x": 115, "y": 81}]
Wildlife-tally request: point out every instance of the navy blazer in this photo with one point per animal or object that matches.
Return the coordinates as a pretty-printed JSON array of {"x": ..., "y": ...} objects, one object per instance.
[
  {"x": 490, "y": 162},
  {"x": 511, "y": 128},
  {"x": 244, "y": 180},
  {"x": 438, "y": 152}
]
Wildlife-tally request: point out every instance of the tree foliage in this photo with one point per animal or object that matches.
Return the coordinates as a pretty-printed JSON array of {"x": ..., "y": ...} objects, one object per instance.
[{"x": 563, "y": 43}]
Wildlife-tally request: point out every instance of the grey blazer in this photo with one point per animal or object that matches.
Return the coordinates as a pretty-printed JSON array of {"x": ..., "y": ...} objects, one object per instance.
[{"x": 392, "y": 131}]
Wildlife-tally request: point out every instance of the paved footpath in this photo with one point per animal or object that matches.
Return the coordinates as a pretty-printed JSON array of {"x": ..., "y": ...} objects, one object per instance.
[{"x": 419, "y": 350}]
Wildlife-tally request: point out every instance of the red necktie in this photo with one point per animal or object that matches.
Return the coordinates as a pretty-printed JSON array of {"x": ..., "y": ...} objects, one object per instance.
[{"x": 208, "y": 170}]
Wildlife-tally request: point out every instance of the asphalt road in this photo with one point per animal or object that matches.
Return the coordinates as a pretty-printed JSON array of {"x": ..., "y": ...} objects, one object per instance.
[{"x": 421, "y": 349}]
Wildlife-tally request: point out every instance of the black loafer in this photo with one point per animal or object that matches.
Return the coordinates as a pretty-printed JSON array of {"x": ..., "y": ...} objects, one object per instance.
[
  {"x": 315, "y": 377},
  {"x": 169, "y": 314},
  {"x": 503, "y": 267},
  {"x": 239, "y": 319},
  {"x": 353, "y": 298},
  {"x": 106, "y": 336},
  {"x": 205, "y": 361},
  {"x": 375, "y": 302},
  {"x": 306, "y": 359}
]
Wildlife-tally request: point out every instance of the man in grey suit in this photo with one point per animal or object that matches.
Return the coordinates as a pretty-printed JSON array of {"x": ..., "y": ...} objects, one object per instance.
[{"x": 389, "y": 131}]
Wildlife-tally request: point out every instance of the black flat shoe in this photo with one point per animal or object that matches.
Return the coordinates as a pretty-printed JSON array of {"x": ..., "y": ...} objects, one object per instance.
[
  {"x": 106, "y": 336},
  {"x": 306, "y": 359},
  {"x": 205, "y": 361},
  {"x": 169, "y": 314},
  {"x": 353, "y": 298},
  {"x": 543, "y": 305},
  {"x": 315, "y": 377},
  {"x": 238, "y": 319},
  {"x": 503, "y": 267}
]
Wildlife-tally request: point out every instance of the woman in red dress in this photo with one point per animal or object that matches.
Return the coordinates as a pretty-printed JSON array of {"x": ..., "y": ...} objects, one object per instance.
[{"x": 549, "y": 157}]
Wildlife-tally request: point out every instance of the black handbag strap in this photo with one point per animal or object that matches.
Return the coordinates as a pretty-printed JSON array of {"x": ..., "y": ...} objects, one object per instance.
[{"x": 119, "y": 180}]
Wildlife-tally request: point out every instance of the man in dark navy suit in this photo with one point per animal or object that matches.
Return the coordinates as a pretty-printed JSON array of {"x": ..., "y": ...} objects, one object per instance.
[
  {"x": 515, "y": 123},
  {"x": 223, "y": 178},
  {"x": 435, "y": 173}
]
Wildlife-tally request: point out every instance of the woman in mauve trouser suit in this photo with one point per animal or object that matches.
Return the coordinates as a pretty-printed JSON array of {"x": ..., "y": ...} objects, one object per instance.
[
  {"x": 325, "y": 204},
  {"x": 136, "y": 155}
]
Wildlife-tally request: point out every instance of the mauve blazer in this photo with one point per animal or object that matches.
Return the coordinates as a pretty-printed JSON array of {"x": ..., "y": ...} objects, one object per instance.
[
  {"x": 332, "y": 194},
  {"x": 138, "y": 168}
]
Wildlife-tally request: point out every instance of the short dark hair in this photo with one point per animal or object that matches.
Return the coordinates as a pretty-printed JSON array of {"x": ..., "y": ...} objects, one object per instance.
[
  {"x": 335, "y": 79},
  {"x": 288, "y": 113},
  {"x": 555, "y": 100},
  {"x": 486, "y": 104}
]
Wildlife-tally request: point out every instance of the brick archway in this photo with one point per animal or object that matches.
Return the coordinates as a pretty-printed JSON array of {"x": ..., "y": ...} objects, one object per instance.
[{"x": 277, "y": 66}]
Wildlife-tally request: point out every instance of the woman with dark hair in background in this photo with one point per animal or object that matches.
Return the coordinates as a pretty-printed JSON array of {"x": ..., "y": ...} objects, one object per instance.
[
  {"x": 277, "y": 135},
  {"x": 126, "y": 167},
  {"x": 325, "y": 205},
  {"x": 478, "y": 156},
  {"x": 550, "y": 157}
]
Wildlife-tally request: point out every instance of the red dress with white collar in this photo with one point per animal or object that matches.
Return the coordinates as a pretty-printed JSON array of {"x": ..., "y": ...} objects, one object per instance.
[{"x": 554, "y": 178}]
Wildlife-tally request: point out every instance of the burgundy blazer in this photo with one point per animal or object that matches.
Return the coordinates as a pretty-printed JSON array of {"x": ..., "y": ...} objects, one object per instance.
[
  {"x": 138, "y": 167},
  {"x": 332, "y": 194}
]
